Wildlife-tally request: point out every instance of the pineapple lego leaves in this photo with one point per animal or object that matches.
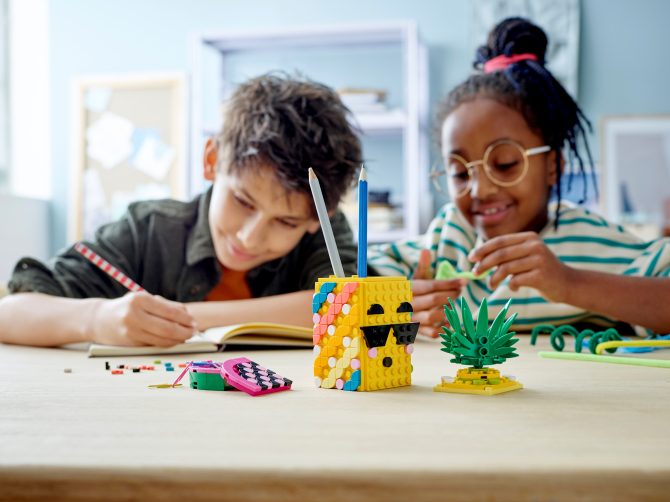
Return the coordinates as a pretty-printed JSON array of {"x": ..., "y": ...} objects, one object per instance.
[{"x": 478, "y": 345}]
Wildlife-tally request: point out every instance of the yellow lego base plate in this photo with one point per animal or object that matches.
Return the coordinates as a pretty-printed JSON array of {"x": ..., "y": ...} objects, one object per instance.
[{"x": 484, "y": 381}]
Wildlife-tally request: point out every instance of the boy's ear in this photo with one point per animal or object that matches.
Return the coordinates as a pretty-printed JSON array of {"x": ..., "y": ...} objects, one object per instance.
[
  {"x": 210, "y": 158},
  {"x": 552, "y": 172},
  {"x": 314, "y": 226}
]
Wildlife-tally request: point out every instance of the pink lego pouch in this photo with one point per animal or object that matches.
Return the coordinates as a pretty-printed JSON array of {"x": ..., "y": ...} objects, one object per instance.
[
  {"x": 243, "y": 374},
  {"x": 252, "y": 378}
]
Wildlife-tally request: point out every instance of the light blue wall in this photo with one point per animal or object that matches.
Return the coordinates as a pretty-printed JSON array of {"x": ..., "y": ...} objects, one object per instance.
[{"x": 623, "y": 54}]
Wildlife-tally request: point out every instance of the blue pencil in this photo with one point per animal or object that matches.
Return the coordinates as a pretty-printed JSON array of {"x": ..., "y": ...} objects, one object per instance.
[{"x": 363, "y": 224}]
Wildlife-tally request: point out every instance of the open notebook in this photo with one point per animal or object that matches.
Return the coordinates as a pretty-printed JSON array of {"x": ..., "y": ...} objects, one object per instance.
[{"x": 215, "y": 339}]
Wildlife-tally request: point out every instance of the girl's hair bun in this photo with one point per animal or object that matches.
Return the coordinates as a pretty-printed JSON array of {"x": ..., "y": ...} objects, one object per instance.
[{"x": 514, "y": 35}]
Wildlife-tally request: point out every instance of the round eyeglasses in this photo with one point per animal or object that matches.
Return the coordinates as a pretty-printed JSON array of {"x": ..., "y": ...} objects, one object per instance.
[{"x": 505, "y": 163}]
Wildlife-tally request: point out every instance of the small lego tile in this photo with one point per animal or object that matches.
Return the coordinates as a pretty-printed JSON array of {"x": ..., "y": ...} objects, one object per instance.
[
  {"x": 107, "y": 366},
  {"x": 117, "y": 372},
  {"x": 157, "y": 361},
  {"x": 405, "y": 333},
  {"x": 375, "y": 336},
  {"x": 327, "y": 287},
  {"x": 136, "y": 370},
  {"x": 350, "y": 287},
  {"x": 67, "y": 370},
  {"x": 354, "y": 382}
]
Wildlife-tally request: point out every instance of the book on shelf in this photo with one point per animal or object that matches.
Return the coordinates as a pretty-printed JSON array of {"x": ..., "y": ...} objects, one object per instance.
[
  {"x": 363, "y": 94},
  {"x": 382, "y": 217},
  {"x": 363, "y": 100},
  {"x": 217, "y": 339}
]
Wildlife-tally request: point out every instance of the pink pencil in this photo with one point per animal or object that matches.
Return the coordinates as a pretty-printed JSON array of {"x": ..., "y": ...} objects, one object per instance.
[{"x": 107, "y": 267}]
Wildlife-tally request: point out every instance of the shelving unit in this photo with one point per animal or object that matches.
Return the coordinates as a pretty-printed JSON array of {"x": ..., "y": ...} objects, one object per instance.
[{"x": 214, "y": 57}]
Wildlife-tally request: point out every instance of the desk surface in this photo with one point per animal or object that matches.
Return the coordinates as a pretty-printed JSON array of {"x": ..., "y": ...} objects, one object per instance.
[{"x": 576, "y": 429}]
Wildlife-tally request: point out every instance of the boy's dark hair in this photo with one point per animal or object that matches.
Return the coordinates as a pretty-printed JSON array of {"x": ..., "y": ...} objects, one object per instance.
[
  {"x": 291, "y": 123},
  {"x": 529, "y": 88}
]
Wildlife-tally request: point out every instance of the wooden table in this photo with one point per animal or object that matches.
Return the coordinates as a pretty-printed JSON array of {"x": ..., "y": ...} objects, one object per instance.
[{"x": 577, "y": 430}]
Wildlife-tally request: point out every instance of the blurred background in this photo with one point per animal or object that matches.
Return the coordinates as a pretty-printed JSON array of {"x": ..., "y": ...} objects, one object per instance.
[{"x": 104, "y": 102}]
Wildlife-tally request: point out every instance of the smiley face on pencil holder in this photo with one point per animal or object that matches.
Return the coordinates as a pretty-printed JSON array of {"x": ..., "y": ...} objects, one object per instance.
[{"x": 363, "y": 334}]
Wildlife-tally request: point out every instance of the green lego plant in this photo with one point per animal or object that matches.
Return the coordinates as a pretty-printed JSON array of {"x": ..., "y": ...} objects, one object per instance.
[{"x": 479, "y": 345}]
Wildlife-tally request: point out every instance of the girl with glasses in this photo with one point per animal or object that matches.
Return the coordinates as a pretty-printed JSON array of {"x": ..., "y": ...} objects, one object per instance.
[{"x": 503, "y": 134}]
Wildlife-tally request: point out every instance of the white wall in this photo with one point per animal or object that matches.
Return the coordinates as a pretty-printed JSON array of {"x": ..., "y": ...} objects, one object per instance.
[
  {"x": 29, "y": 105},
  {"x": 25, "y": 214},
  {"x": 24, "y": 227}
]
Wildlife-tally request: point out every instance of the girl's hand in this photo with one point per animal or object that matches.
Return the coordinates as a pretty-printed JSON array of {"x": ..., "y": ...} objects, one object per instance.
[
  {"x": 430, "y": 296},
  {"x": 527, "y": 260},
  {"x": 141, "y": 319}
]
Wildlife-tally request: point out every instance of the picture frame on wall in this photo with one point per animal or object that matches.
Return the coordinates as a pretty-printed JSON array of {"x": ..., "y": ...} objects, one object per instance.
[
  {"x": 129, "y": 144},
  {"x": 635, "y": 163}
]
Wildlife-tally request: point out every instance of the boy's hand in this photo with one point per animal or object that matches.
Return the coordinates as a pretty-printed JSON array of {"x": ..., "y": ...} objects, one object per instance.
[
  {"x": 141, "y": 319},
  {"x": 430, "y": 296},
  {"x": 527, "y": 260}
]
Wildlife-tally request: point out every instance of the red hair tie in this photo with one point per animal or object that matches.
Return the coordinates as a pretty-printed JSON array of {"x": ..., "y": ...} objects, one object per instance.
[{"x": 501, "y": 62}]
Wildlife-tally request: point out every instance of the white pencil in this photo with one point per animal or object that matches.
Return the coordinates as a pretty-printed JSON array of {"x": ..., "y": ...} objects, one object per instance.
[{"x": 325, "y": 224}]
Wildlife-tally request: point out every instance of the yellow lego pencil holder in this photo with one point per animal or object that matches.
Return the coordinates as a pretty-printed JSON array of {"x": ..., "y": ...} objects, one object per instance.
[{"x": 363, "y": 333}]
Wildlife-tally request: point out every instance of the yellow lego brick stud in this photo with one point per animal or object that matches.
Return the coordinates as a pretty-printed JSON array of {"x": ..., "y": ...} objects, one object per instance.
[{"x": 363, "y": 334}]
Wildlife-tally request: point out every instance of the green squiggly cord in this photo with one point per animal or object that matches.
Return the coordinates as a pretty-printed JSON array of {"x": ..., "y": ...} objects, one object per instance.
[{"x": 557, "y": 341}]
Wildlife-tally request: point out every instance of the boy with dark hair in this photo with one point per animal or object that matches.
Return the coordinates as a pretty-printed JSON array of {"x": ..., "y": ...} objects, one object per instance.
[{"x": 248, "y": 249}]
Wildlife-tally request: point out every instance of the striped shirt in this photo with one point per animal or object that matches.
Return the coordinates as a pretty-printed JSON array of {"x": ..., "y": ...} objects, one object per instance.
[{"x": 583, "y": 240}]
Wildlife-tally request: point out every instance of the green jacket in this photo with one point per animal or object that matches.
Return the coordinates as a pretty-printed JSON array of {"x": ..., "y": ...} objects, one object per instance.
[{"x": 166, "y": 247}]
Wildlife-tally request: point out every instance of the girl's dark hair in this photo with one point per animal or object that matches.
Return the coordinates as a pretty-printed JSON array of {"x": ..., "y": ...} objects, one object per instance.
[
  {"x": 292, "y": 124},
  {"x": 529, "y": 88}
]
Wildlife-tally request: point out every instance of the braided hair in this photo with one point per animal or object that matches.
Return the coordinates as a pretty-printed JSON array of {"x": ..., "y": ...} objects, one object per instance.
[{"x": 529, "y": 88}]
